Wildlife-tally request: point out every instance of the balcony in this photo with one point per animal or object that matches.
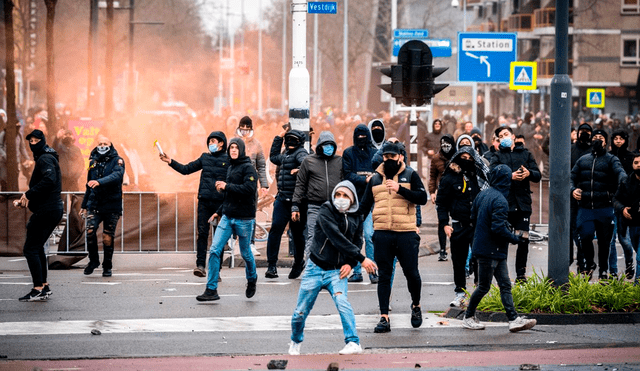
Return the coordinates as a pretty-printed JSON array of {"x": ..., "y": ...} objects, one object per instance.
[
  {"x": 482, "y": 27},
  {"x": 546, "y": 68},
  {"x": 546, "y": 17},
  {"x": 520, "y": 22}
]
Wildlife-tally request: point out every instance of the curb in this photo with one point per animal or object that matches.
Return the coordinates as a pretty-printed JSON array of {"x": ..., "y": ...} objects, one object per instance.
[{"x": 554, "y": 319}]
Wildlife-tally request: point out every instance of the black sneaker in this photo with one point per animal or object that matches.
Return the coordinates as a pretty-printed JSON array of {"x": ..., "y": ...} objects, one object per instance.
[
  {"x": 442, "y": 257},
  {"x": 603, "y": 276},
  {"x": 374, "y": 278},
  {"x": 199, "y": 271},
  {"x": 106, "y": 272},
  {"x": 208, "y": 295},
  {"x": 296, "y": 271},
  {"x": 251, "y": 289},
  {"x": 416, "y": 316},
  {"x": 34, "y": 295},
  {"x": 383, "y": 326},
  {"x": 629, "y": 271},
  {"x": 356, "y": 278},
  {"x": 90, "y": 268},
  {"x": 47, "y": 291},
  {"x": 521, "y": 279},
  {"x": 272, "y": 272}
]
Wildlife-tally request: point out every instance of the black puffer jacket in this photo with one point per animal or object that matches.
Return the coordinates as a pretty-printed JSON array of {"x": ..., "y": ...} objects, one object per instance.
[
  {"x": 46, "y": 182},
  {"x": 356, "y": 160},
  {"x": 598, "y": 177},
  {"x": 628, "y": 195},
  {"x": 579, "y": 149},
  {"x": 287, "y": 161},
  {"x": 108, "y": 170},
  {"x": 242, "y": 184},
  {"x": 520, "y": 191},
  {"x": 214, "y": 167},
  {"x": 456, "y": 193}
]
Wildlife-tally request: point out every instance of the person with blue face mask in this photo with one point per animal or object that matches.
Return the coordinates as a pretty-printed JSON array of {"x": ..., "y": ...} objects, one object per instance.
[
  {"x": 214, "y": 164},
  {"x": 318, "y": 174},
  {"x": 524, "y": 171}
]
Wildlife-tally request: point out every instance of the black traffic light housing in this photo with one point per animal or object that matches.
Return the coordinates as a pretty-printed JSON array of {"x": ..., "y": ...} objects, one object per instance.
[{"x": 413, "y": 78}]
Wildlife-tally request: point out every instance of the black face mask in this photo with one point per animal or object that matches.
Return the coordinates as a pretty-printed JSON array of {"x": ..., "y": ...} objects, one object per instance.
[
  {"x": 378, "y": 135},
  {"x": 467, "y": 166},
  {"x": 477, "y": 142},
  {"x": 636, "y": 171},
  {"x": 291, "y": 142},
  {"x": 361, "y": 142},
  {"x": 391, "y": 168},
  {"x": 584, "y": 137},
  {"x": 38, "y": 147},
  {"x": 598, "y": 147},
  {"x": 519, "y": 144}
]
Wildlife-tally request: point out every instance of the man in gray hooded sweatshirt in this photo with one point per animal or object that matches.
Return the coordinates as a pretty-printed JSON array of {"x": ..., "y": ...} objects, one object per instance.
[{"x": 318, "y": 175}]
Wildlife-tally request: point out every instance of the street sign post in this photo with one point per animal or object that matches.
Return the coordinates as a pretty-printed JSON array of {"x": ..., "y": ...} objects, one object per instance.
[
  {"x": 439, "y": 47},
  {"x": 595, "y": 98},
  {"x": 523, "y": 75},
  {"x": 486, "y": 56},
  {"x": 322, "y": 7}
]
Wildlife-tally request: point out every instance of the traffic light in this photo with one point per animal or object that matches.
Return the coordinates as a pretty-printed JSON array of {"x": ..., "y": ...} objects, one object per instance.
[
  {"x": 395, "y": 88},
  {"x": 418, "y": 74}
]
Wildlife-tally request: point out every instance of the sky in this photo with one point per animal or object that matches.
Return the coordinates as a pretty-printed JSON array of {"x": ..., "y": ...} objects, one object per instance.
[{"x": 251, "y": 12}]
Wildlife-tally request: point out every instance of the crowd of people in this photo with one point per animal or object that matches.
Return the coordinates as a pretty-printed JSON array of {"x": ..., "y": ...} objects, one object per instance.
[{"x": 352, "y": 189}]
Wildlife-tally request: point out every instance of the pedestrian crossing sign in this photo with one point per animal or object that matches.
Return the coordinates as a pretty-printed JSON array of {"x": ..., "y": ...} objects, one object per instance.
[
  {"x": 523, "y": 76},
  {"x": 595, "y": 98}
]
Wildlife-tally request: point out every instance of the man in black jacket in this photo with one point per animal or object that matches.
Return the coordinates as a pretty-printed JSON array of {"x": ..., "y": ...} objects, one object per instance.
[
  {"x": 102, "y": 203},
  {"x": 524, "y": 170},
  {"x": 238, "y": 214},
  {"x": 289, "y": 163},
  {"x": 581, "y": 147},
  {"x": 335, "y": 251},
  {"x": 627, "y": 202},
  {"x": 594, "y": 180},
  {"x": 43, "y": 199},
  {"x": 457, "y": 190},
  {"x": 214, "y": 165}
]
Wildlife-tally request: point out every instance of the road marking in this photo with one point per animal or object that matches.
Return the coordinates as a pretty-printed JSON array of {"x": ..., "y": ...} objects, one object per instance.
[
  {"x": 101, "y": 283},
  {"x": 15, "y": 283},
  {"x": 216, "y": 324},
  {"x": 193, "y": 296},
  {"x": 14, "y": 276},
  {"x": 438, "y": 283},
  {"x": 148, "y": 280},
  {"x": 274, "y": 283},
  {"x": 188, "y": 283},
  {"x": 16, "y": 260}
]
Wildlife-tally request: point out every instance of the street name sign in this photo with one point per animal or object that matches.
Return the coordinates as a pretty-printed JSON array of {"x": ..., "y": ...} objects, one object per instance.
[
  {"x": 523, "y": 76},
  {"x": 486, "y": 56},
  {"x": 595, "y": 98},
  {"x": 411, "y": 34},
  {"x": 322, "y": 7},
  {"x": 439, "y": 47}
]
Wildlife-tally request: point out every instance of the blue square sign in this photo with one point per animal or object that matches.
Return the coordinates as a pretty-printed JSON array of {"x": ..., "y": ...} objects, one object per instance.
[{"x": 486, "y": 56}]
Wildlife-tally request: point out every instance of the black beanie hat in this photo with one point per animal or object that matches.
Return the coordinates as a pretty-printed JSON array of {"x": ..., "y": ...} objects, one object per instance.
[
  {"x": 246, "y": 122},
  {"x": 36, "y": 134},
  {"x": 600, "y": 132}
]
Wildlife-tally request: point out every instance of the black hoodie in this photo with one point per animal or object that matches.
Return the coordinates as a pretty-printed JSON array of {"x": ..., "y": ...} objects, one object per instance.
[
  {"x": 242, "y": 185},
  {"x": 356, "y": 160},
  {"x": 108, "y": 170},
  {"x": 622, "y": 153},
  {"x": 46, "y": 181},
  {"x": 580, "y": 148},
  {"x": 287, "y": 161},
  {"x": 214, "y": 167}
]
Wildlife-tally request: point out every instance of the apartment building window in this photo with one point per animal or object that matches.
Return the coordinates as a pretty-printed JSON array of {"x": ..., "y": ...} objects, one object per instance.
[
  {"x": 630, "y": 53},
  {"x": 630, "y": 6}
]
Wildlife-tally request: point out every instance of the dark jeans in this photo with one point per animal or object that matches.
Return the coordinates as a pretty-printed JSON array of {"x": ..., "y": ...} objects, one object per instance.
[
  {"x": 206, "y": 208},
  {"x": 487, "y": 269},
  {"x": 519, "y": 220},
  {"x": 574, "y": 237},
  {"x": 389, "y": 245},
  {"x": 442, "y": 239},
  {"x": 39, "y": 229},
  {"x": 460, "y": 242},
  {"x": 280, "y": 218},
  {"x": 109, "y": 223},
  {"x": 596, "y": 222}
]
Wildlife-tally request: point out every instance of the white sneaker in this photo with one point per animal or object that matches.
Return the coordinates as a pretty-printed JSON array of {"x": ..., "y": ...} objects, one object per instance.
[
  {"x": 459, "y": 300},
  {"x": 521, "y": 323},
  {"x": 351, "y": 348},
  {"x": 472, "y": 323},
  {"x": 254, "y": 251},
  {"x": 294, "y": 348}
]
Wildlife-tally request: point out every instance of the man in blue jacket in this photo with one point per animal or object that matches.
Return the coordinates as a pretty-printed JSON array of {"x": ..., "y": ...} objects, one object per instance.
[
  {"x": 238, "y": 214},
  {"x": 489, "y": 214},
  {"x": 214, "y": 165},
  {"x": 102, "y": 202}
]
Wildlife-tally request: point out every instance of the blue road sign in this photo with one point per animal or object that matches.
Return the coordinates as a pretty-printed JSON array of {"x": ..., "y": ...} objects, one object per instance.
[
  {"x": 486, "y": 56},
  {"x": 439, "y": 47},
  {"x": 322, "y": 7},
  {"x": 415, "y": 34}
]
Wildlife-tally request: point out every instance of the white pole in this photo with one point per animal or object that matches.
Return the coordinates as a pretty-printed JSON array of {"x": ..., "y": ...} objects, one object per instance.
[
  {"x": 219, "y": 111},
  {"x": 315, "y": 64},
  {"x": 345, "y": 58},
  {"x": 260, "y": 58},
  {"x": 464, "y": 15},
  {"x": 299, "y": 76},
  {"x": 232, "y": 70},
  {"x": 394, "y": 25},
  {"x": 284, "y": 54}
]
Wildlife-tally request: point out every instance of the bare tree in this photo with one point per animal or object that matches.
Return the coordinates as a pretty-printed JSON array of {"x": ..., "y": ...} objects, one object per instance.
[
  {"x": 11, "y": 130},
  {"x": 52, "y": 123}
]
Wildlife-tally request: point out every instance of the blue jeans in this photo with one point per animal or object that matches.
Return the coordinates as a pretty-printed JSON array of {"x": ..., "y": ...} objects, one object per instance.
[
  {"x": 315, "y": 279},
  {"x": 243, "y": 228},
  {"x": 367, "y": 231},
  {"x": 621, "y": 231},
  {"x": 312, "y": 215},
  {"x": 634, "y": 236},
  {"x": 487, "y": 269}
]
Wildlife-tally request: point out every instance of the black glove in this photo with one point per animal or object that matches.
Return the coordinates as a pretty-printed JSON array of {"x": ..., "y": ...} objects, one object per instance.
[{"x": 522, "y": 238}]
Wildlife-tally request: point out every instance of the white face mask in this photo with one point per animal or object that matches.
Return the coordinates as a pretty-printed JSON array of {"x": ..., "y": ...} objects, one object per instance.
[
  {"x": 103, "y": 149},
  {"x": 342, "y": 204}
]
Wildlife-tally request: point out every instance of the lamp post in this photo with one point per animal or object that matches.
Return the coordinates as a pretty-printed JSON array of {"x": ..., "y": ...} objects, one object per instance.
[{"x": 455, "y": 4}]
